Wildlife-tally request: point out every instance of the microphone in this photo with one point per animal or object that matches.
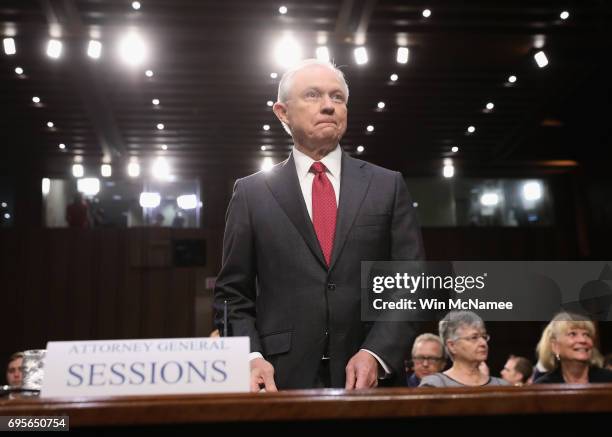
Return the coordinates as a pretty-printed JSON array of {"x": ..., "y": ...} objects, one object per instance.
[{"x": 225, "y": 318}]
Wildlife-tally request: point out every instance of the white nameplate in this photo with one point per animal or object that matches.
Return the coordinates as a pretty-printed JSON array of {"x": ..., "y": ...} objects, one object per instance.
[{"x": 146, "y": 367}]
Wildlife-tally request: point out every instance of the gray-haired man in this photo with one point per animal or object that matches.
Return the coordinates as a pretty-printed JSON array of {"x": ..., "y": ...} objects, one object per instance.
[{"x": 294, "y": 240}]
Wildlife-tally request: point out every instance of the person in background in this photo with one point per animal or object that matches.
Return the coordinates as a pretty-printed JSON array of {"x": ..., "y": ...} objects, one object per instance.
[
  {"x": 427, "y": 358},
  {"x": 179, "y": 220},
  {"x": 569, "y": 352},
  {"x": 14, "y": 373},
  {"x": 608, "y": 362},
  {"x": 77, "y": 213},
  {"x": 158, "y": 220},
  {"x": 517, "y": 370},
  {"x": 466, "y": 342}
]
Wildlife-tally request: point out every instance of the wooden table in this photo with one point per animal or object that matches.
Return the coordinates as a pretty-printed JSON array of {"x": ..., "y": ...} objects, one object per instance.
[{"x": 379, "y": 409}]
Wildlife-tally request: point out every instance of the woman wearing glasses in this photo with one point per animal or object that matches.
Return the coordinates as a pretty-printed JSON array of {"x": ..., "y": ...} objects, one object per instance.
[{"x": 466, "y": 343}]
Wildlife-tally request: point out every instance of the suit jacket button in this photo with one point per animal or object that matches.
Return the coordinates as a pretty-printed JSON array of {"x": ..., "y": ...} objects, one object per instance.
[{"x": 331, "y": 287}]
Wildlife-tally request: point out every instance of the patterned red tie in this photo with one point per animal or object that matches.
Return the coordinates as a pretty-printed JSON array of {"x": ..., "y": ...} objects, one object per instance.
[{"x": 324, "y": 209}]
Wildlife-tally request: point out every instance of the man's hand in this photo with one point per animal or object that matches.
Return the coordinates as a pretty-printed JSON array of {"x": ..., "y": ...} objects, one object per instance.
[
  {"x": 361, "y": 371},
  {"x": 262, "y": 373}
]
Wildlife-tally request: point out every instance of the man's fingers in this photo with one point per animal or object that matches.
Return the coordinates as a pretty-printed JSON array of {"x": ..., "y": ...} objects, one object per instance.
[
  {"x": 269, "y": 381},
  {"x": 362, "y": 379},
  {"x": 262, "y": 372},
  {"x": 255, "y": 380},
  {"x": 366, "y": 379},
  {"x": 350, "y": 377}
]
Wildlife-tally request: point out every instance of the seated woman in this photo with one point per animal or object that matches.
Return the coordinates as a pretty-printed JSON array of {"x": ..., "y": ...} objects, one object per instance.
[
  {"x": 568, "y": 352},
  {"x": 466, "y": 343}
]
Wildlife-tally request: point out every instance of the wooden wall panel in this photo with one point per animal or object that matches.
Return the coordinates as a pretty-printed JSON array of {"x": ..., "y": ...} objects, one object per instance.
[
  {"x": 56, "y": 278},
  {"x": 67, "y": 284}
]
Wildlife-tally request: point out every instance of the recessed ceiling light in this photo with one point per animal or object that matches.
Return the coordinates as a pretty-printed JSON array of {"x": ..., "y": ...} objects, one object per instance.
[
  {"x": 381, "y": 105},
  {"x": 149, "y": 73},
  {"x": 50, "y": 124},
  {"x": 282, "y": 10},
  {"x": 164, "y": 147},
  {"x": 454, "y": 149},
  {"x": 471, "y": 129},
  {"x": 512, "y": 79},
  {"x": 106, "y": 170},
  {"x": 160, "y": 126},
  {"x": 564, "y": 15},
  {"x": 448, "y": 170},
  {"x": 9, "y": 46},
  {"x": 77, "y": 170},
  {"x": 490, "y": 106},
  {"x": 133, "y": 169},
  {"x": 394, "y": 77},
  {"x": 541, "y": 59},
  {"x": 270, "y": 103},
  {"x": 155, "y": 102},
  {"x": 360, "y": 149},
  {"x": 54, "y": 48},
  {"x": 370, "y": 128},
  {"x": 426, "y": 13},
  {"x": 402, "y": 55},
  {"x": 361, "y": 55},
  {"x": 136, "y": 5},
  {"x": 36, "y": 99},
  {"x": 132, "y": 48},
  {"x": 266, "y": 127},
  {"x": 94, "y": 49},
  {"x": 287, "y": 51},
  {"x": 19, "y": 70},
  {"x": 62, "y": 146},
  {"x": 263, "y": 148}
]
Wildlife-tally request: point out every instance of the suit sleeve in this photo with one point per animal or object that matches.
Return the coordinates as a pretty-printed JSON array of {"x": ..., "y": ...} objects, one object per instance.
[
  {"x": 389, "y": 340},
  {"x": 236, "y": 281}
]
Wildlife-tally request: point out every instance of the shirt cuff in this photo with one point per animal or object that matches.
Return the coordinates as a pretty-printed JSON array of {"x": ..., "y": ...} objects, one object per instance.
[
  {"x": 254, "y": 355},
  {"x": 386, "y": 371}
]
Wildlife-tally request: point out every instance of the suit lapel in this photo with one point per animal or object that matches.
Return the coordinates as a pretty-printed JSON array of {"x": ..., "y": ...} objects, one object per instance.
[
  {"x": 354, "y": 183},
  {"x": 285, "y": 186}
]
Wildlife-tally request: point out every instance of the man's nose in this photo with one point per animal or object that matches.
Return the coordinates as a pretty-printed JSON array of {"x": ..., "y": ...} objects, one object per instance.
[{"x": 327, "y": 106}]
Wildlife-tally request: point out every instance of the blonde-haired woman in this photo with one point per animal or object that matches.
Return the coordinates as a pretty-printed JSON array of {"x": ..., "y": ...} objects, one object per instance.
[{"x": 567, "y": 350}]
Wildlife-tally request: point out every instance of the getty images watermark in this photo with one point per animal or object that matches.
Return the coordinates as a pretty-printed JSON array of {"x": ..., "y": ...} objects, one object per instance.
[{"x": 496, "y": 290}]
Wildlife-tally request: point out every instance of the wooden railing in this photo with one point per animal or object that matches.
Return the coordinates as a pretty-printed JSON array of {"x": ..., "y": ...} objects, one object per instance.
[{"x": 323, "y": 406}]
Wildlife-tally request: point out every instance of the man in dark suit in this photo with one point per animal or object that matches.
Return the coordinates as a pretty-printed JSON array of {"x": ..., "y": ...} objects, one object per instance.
[{"x": 294, "y": 240}]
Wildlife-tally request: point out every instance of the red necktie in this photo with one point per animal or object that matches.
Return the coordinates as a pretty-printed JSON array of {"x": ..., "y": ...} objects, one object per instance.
[{"x": 323, "y": 209}]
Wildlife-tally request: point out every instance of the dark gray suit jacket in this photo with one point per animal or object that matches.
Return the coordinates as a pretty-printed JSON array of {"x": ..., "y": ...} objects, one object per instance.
[{"x": 279, "y": 290}]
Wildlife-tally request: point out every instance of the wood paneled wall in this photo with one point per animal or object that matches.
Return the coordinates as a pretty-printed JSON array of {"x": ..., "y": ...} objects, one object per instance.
[{"x": 69, "y": 284}]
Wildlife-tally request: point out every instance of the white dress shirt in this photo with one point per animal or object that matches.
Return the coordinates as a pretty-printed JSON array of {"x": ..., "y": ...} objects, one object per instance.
[{"x": 333, "y": 165}]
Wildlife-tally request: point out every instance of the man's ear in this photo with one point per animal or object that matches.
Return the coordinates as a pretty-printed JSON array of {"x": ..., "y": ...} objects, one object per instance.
[{"x": 280, "y": 110}]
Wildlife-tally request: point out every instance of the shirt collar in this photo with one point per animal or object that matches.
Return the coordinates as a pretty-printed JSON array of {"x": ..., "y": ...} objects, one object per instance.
[{"x": 332, "y": 161}]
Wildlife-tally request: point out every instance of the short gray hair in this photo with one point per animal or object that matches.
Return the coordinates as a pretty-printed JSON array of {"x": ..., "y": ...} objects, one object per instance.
[
  {"x": 285, "y": 83},
  {"x": 455, "y": 320},
  {"x": 425, "y": 338}
]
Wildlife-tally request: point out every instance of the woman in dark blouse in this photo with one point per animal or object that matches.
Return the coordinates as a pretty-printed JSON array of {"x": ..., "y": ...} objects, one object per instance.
[{"x": 570, "y": 353}]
